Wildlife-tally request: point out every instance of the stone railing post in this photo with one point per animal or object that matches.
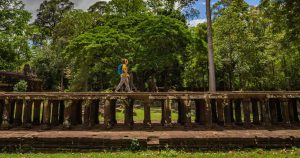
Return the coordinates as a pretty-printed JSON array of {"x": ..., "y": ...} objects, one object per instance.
[
  {"x": 285, "y": 111},
  {"x": 86, "y": 112},
  {"x": 246, "y": 110},
  {"x": 264, "y": 103},
  {"x": 67, "y": 114},
  {"x": 166, "y": 113},
  {"x": 278, "y": 110},
  {"x": 187, "y": 112},
  {"x": 2, "y": 104},
  {"x": 46, "y": 113},
  {"x": 220, "y": 110},
  {"x": 36, "y": 112},
  {"x": 27, "y": 113},
  {"x": 55, "y": 115},
  {"x": 273, "y": 111},
  {"x": 6, "y": 117},
  {"x": 113, "y": 105},
  {"x": 208, "y": 113},
  {"x": 109, "y": 113},
  {"x": 147, "y": 113},
  {"x": 18, "y": 113},
  {"x": 227, "y": 112},
  {"x": 128, "y": 121},
  {"x": 255, "y": 111},
  {"x": 91, "y": 112}
]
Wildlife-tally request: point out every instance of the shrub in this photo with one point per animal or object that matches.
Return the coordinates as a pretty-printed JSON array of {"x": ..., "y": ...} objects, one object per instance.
[
  {"x": 21, "y": 86},
  {"x": 135, "y": 145}
]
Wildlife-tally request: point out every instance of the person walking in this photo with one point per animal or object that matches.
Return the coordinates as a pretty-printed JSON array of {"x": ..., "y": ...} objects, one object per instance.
[{"x": 123, "y": 72}]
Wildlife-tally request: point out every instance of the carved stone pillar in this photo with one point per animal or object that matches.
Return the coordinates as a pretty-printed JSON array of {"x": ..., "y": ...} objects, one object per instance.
[
  {"x": 255, "y": 111},
  {"x": 86, "y": 112},
  {"x": 265, "y": 111},
  {"x": 273, "y": 111},
  {"x": 27, "y": 113},
  {"x": 18, "y": 113},
  {"x": 36, "y": 112},
  {"x": 285, "y": 111},
  {"x": 208, "y": 114},
  {"x": 55, "y": 108},
  {"x": 2, "y": 104},
  {"x": 67, "y": 114},
  {"x": 246, "y": 109},
  {"x": 187, "y": 112},
  {"x": 46, "y": 113},
  {"x": 147, "y": 114},
  {"x": 128, "y": 121},
  {"x": 166, "y": 113},
  {"x": 109, "y": 113},
  {"x": 227, "y": 112},
  {"x": 220, "y": 110},
  {"x": 7, "y": 114}
]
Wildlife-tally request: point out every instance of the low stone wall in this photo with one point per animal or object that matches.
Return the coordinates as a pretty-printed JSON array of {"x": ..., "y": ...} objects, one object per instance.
[
  {"x": 35, "y": 141},
  {"x": 226, "y": 109}
]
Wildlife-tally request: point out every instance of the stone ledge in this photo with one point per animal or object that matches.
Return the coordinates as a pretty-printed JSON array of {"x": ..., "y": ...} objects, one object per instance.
[{"x": 187, "y": 140}]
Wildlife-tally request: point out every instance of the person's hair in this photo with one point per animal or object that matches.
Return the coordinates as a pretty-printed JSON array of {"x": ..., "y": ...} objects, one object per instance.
[{"x": 124, "y": 61}]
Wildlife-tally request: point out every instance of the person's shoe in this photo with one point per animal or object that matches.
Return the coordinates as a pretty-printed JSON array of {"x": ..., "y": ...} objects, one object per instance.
[{"x": 130, "y": 91}]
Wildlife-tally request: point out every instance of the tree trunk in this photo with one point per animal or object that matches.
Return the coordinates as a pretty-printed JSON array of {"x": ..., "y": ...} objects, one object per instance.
[
  {"x": 212, "y": 80},
  {"x": 62, "y": 88}
]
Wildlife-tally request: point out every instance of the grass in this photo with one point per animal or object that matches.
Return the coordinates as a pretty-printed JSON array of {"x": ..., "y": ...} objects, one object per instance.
[
  {"x": 155, "y": 114},
  {"x": 253, "y": 153}
]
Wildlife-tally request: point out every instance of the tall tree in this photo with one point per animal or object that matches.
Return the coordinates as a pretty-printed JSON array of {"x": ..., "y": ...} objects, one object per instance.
[
  {"x": 126, "y": 7},
  {"x": 194, "y": 76},
  {"x": 50, "y": 13},
  {"x": 14, "y": 49},
  {"x": 99, "y": 7},
  {"x": 211, "y": 65},
  {"x": 73, "y": 24},
  {"x": 284, "y": 23}
]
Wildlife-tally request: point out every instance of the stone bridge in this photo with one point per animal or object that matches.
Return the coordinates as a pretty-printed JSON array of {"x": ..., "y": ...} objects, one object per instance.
[{"x": 51, "y": 109}]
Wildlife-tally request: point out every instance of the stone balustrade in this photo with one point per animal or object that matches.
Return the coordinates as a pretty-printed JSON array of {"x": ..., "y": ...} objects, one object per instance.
[{"x": 51, "y": 109}]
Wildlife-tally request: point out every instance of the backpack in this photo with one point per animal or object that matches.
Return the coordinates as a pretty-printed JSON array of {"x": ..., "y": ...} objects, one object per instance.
[{"x": 120, "y": 70}]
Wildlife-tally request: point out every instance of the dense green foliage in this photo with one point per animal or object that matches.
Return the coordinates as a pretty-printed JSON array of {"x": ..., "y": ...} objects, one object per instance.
[
  {"x": 21, "y": 86},
  {"x": 49, "y": 15},
  {"x": 14, "y": 50},
  {"x": 256, "y": 48}
]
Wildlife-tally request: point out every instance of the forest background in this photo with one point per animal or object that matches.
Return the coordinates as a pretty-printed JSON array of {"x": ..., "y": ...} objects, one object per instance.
[{"x": 255, "y": 47}]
